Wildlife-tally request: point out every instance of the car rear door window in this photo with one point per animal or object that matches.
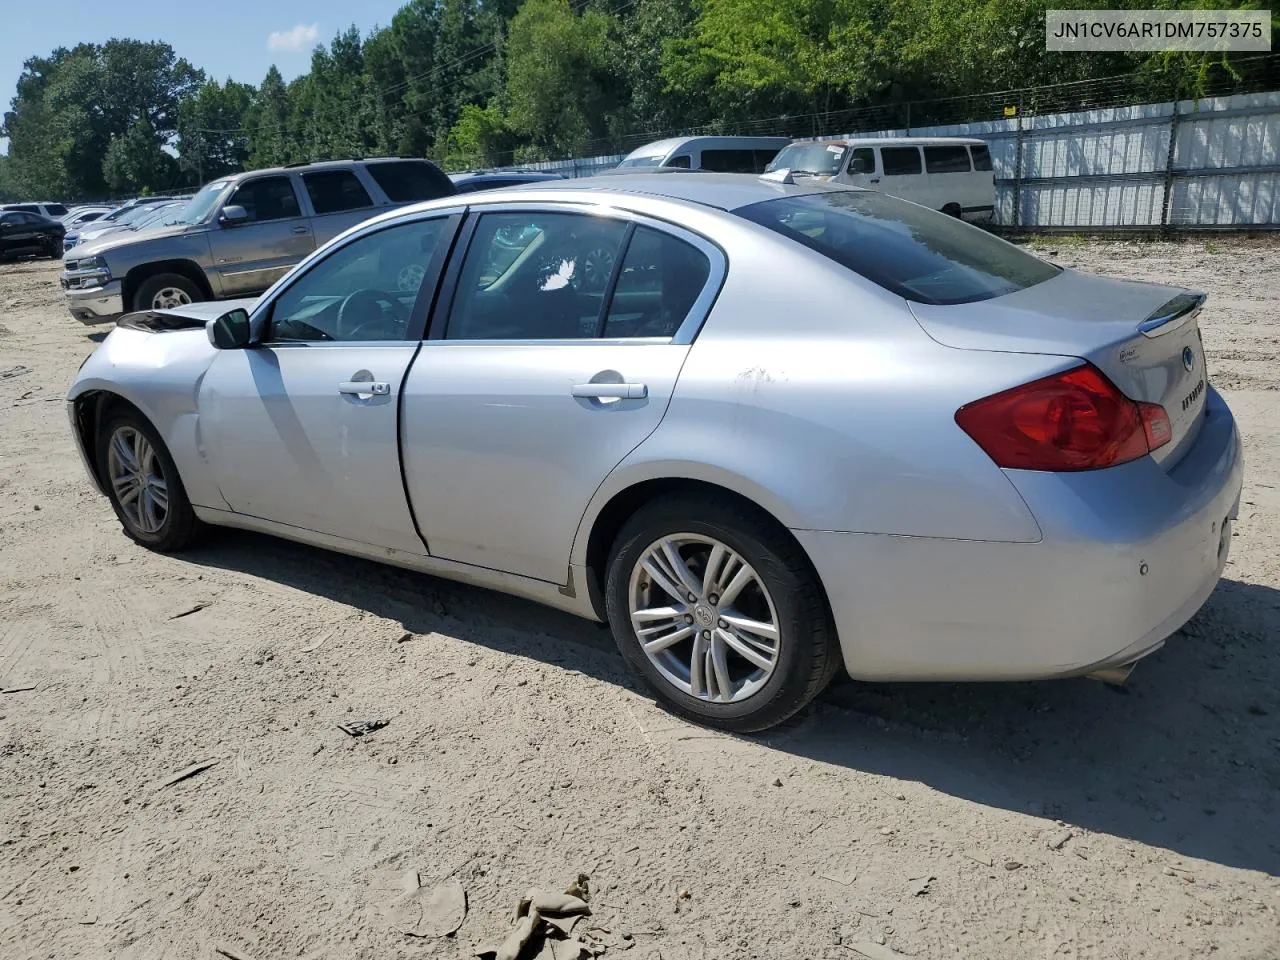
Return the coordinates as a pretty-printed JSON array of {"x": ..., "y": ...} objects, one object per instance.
[
  {"x": 946, "y": 159},
  {"x": 900, "y": 161},
  {"x": 535, "y": 276},
  {"x": 332, "y": 191},
  {"x": 660, "y": 279},
  {"x": 916, "y": 253},
  {"x": 267, "y": 198},
  {"x": 409, "y": 181},
  {"x": 57, "y": 210},
  {"x": 729, "y": 161},
  {"x": 981, "y": 157}
]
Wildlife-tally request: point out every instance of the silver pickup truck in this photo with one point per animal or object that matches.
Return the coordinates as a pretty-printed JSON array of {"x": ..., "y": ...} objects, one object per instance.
[{"x": 239, "y": 234}]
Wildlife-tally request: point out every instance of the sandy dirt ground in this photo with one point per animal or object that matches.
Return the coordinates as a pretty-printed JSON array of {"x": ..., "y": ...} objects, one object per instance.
[{"x": 995, "y": 822}]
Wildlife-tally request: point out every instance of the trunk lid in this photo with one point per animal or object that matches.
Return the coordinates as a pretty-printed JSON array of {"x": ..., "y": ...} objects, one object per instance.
[{"x": 1145, "y": 337}]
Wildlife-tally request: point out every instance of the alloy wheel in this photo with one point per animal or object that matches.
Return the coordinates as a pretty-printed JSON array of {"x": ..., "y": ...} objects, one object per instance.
[
  {"x": 166, "y": 298},
  {"x": 704, "y": 618},
  {"x": 138, "y": 480}
]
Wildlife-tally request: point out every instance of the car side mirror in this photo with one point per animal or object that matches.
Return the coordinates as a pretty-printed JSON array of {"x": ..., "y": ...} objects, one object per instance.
[
  {"x": 858, "y": 165},
  {"x": 229, "y": 331},
  {"x": 233, "y": 215}
]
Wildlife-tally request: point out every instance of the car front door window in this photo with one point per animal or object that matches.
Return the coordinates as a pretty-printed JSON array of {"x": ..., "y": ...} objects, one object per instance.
[
  {"x": 364, "y": 291},
  {"x": 267, "y": 198}
]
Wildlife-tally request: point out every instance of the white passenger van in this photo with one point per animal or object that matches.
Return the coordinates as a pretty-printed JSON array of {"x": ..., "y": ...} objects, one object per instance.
[
  {"x": 718, "y": 154},
  {"x": 951, "y": 174}
]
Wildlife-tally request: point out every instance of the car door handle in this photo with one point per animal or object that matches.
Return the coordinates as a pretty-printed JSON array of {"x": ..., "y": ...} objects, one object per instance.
[
  {"x": 378, "y": 388},
  {"x": 610, "y": 391},
  {"x": 874, "y": 180},
  {"x": 299, "y": 230}
]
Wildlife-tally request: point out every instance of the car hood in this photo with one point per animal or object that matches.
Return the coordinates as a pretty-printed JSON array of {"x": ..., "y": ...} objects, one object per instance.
[
  {"x": 191, "y": 317},
  {"x": 91, "y": 244}
]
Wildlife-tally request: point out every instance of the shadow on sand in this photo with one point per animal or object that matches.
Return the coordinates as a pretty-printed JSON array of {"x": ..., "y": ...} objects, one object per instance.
[{"x": 1187, "y": 757}]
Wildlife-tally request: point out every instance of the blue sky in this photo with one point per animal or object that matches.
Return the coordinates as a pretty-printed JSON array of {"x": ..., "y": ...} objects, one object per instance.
[{"x": 231, "y": 38}]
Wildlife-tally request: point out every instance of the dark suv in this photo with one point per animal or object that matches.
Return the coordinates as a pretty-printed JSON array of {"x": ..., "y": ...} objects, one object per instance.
[{"x": 239, "y": 234}]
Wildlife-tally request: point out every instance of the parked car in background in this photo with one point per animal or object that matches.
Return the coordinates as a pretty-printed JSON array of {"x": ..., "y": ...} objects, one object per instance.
[
  {"x": 717, "y": 154},
  {"x": 44, "y": 208},
  {"x": 766, "y": 430},
  {"x": 240, "y": 234},
  {"x": 78, "y": 217},
  {"x": 951, "y": 174},
  {"x": 29, "y": 233},
  {"x": 474, "y": 180},
  {"x": 121, "y": 216}
]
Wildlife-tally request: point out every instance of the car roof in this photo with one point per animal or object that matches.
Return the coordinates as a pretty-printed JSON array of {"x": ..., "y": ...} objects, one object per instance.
[
  {"x": 311, "y": 166},
  {"x": 726, "y": 191},
  {"x": 529, "y": 175},
  {"x": 662, "y": 147},
  {"x": 894, "y": 141}
]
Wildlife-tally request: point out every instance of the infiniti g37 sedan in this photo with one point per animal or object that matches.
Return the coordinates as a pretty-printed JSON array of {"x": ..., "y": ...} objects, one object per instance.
[{"x": 764, "y": 430}]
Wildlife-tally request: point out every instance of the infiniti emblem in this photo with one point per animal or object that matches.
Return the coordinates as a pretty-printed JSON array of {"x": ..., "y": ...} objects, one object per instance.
[{"x": 1188, "y": 359}]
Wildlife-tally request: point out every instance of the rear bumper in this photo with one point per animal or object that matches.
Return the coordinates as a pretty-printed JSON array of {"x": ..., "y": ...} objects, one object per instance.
[
  {"x": 94, "y": 305},
  {"x": 1128, "y": 555}
]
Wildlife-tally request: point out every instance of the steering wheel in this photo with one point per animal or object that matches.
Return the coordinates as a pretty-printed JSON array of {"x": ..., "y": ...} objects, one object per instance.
[{"x": 362, "y": 313}]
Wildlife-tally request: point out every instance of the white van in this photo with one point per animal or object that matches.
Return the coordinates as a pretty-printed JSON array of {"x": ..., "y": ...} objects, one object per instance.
[
  {"x": 718, "y": 154},
  {"x": 951, "y": 174}
]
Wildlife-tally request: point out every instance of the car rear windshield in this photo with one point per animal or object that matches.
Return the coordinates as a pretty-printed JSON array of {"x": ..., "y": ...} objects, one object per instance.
[
  {"x": 408, "y": 181},
  {"x": 917, "y": 253}
]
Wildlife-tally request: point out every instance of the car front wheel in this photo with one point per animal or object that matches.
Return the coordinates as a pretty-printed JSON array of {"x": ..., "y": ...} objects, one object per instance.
[
  {"x": 166, "y": 291},
  {"x": 143, "y": 484},
  {"x": 718, "y": 611}
]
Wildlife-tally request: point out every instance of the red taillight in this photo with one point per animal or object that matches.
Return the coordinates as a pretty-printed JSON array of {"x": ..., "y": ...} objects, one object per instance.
[{"x": 1075, "y": 420}]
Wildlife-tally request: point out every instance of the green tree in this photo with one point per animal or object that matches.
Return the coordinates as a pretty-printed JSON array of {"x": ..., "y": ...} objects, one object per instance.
[
  {"x": 269, "y": 143},
  {"x": 561, "y": 91},
  {"x": 480, "y": 138},
  {"x": 135, "y": 163},
  {"x": 214, "y": 130}
]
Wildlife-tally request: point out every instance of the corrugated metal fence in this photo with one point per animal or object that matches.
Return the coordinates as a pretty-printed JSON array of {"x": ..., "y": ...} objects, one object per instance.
[{"x": 1189, "y": 164}]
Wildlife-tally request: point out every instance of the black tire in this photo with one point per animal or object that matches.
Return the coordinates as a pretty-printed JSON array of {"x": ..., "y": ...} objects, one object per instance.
[
  {"x": 55, "y": 248},
  {"x": 808, "y": 655},
  {"x": 180, "y": 527},
  {"x": 953, "y": 210},
  {"x": 146, "y": 294}
]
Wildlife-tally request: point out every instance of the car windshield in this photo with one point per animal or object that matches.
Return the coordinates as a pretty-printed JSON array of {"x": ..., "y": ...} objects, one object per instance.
[
  {"x": 641, "y": 161},
  {"x": 162, "y": 215},
  {"x": 917, "y": 253},
  {"x": 199, "y": 206},
  {"x": 820, "y": 159}
]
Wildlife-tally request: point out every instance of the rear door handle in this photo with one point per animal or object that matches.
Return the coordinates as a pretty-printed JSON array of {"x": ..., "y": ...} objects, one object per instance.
[
  {"x": 300, "y": 230},
  {"x": 378, "y": 388},
  {"x": 610, "y": 391}
]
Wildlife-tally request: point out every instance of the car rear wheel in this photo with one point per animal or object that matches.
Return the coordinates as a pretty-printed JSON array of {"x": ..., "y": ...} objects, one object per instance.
[
  {"x": 953, "y": 210},
  {"x": 718, "y": 612},
  {"x": 143, "y": 485},
  {"x": 55, "y": 249},
  {"x": 165, "y": 291}
]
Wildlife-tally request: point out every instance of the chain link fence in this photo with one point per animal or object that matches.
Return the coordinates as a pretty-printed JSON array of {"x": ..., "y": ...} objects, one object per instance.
[{"x": 1081, "y": 156}]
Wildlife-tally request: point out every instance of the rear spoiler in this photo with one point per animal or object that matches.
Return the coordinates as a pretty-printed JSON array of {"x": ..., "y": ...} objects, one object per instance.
[{"x": 1170, "y": 316}]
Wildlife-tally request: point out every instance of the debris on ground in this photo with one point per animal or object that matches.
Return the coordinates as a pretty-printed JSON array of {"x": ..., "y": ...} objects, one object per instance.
[
  {"x": 1012, "y": 865},
  {"x": 185, "y": 773},
  {"x": 544, "y": 925},
  {"x": 358, "y": 728},
  {"x": 844, "y": 876},
  {"x": 874, "y": 951},
  {"x": 19, "y": 689},
  {"x": 405, "y": 637},
  {"x": 230, "y": 953},
  {"x": 1057, "y": 841},
  {"x": 436, "y": 911},
  {"x": 920, "y": 885},
  {"x": 194, "y": 608}
]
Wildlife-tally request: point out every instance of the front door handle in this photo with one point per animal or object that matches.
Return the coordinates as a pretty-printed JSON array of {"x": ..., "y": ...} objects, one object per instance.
[
  {"x": 299, "y": 230},
  {"x": 378, "y": 388},
  {"x": 874, "y": 180},
  {"x": 610, "y": 391}
]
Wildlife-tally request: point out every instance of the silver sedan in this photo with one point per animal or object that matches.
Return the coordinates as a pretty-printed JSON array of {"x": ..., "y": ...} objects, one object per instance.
[{"x": 766, "y": 431}]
